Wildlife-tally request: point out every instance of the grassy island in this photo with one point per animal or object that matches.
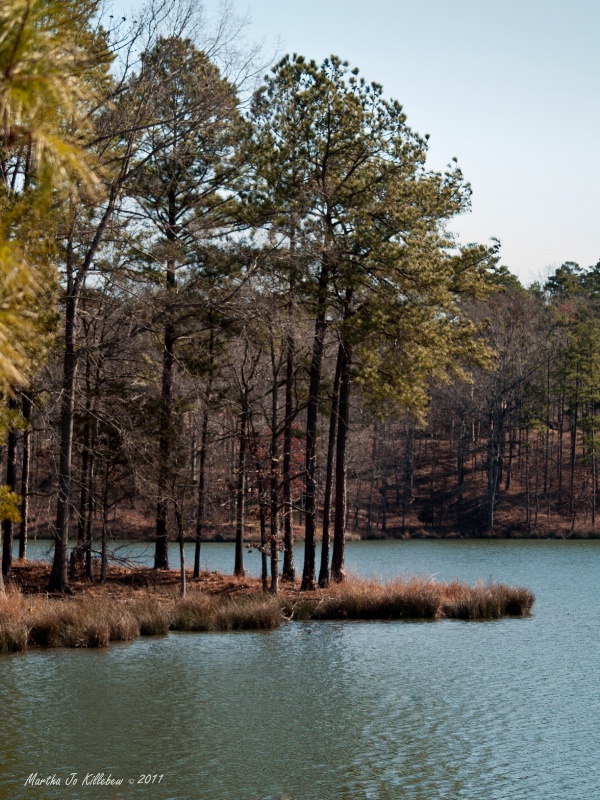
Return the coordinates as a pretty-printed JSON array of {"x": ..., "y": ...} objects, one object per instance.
[{"x": 142, "y": 602}]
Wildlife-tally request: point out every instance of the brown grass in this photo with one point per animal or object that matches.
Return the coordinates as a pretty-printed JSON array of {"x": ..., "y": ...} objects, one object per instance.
[
  {"x": 204, "y": 612},
  {"x": 415, "y": 598},
  {"x": 39, "y": 620},
  {"x": 152, "y": 616},
  {"x": 490, "y": 601},
  {"x": 133, "y": 605},
  {"x": 13, "y": 627},
  {"x": 80, "y": 622}
]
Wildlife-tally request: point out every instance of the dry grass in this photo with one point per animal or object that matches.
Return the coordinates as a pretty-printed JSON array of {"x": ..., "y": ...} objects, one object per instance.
[
  {"x": 220, "y": 604},
  {"x": 250, "y": 613},
  {"x": 490, "y": 601},
  {"x": 13, "y": 627},
  {"x": 39, "y": 620},
  {"x": 81, "y": 622},
  {"x": 204, "y": 612},
  {"x": 153, "y": 617},
  {"x": 415, "y": 598}
]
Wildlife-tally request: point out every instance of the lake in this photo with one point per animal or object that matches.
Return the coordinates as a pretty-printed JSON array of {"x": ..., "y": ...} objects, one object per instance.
[{"x": 331, "y": 711}]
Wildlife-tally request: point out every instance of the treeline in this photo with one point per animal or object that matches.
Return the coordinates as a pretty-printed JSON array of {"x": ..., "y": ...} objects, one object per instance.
[
  {"x": 514, "y": 451},
  {"x": 260, "y": 321}
]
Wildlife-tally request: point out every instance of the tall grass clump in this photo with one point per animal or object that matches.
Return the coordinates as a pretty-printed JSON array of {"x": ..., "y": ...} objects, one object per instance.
[
  {"x": 250, "y": 613},
  {"x": 195, "y": 612},
  {"x": 200, "y": 612},
  {"x": 482, "y": 601},
  {"x": 82, "y": 622},
  {"x": 13, "y": 625},
  {"x": 66, "y": 623},
  {"x": 412, "y": 599},
  {"x": 123, "y": 624},
  {"x": 153, "y": 617},
  {"x": 416, "y": 598}
]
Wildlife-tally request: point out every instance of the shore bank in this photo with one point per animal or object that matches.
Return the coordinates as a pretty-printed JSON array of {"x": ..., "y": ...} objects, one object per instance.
[
  {"x": 142, "y": 602},
  {"x": 252, "y": 538}
]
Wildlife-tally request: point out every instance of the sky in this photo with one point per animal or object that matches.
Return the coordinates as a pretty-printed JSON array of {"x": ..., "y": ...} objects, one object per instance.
[{"x": 511, "y": 89}]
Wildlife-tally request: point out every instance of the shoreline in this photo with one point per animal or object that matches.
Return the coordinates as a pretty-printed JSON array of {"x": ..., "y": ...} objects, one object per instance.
[
  {"x": 141, "y": 602},
  {"x": 418, "y": 536}
]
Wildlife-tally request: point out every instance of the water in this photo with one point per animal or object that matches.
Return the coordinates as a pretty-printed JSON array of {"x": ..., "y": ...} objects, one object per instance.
[{"x": 502, "y": 710}]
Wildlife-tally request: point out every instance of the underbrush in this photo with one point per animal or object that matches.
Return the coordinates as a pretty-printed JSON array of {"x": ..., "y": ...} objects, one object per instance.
[
  {"x": 486, "y": 601},
  {"x": 414, "y": 599},
  {"x": 13, "y": 627},
  {"x": 200, "y": 612},
  {"x": 40, "y": 620}
]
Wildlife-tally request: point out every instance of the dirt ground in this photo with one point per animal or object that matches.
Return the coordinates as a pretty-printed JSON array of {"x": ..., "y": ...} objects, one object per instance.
[{"x": 32, "y": 577}]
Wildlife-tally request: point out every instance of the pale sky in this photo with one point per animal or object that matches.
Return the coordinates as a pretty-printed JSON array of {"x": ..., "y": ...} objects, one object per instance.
[{"x": 510, "y": 88}]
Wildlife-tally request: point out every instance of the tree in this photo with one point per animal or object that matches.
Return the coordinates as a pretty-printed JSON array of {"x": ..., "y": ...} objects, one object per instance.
[
  {"x": 45, "y": 49},
  {"x": 131, "y": 130},
  {"x": 179, "y": 190},
  {"x": 333, "y": 153}
]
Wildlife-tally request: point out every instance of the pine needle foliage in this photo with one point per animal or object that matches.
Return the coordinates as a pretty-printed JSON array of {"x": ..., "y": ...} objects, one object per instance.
[{"x": 47, "y": 49}]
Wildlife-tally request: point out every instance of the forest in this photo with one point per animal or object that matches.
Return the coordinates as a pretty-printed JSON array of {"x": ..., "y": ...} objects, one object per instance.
[{"x": 232, "y": 307}]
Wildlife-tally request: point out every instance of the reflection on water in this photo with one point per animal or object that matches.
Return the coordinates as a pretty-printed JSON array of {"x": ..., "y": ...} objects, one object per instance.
[{"x": 319, "y": 711}]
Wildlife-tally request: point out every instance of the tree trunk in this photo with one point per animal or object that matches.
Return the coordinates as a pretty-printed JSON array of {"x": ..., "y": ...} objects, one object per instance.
[
  {"x": 11, "y": 483},
  {"x": 574, "y": 421},
  {"x": 333, "y": 422},
  {"x": 104, "y": 554},
  {"x": 232, "y": 455},
  {"x": 288, "y": 572},
  {"x": 527, "y": 487},
  {"x": 90, "y": 512},
  {"x": 408, "y": 473},
  {"x": 561, "y": 430},
  {"x": 547, "y": 432},
  {"x": 460, "y": 464},
  {"x": 339, "y": 525},
  {"x": 511, "y": 452},
  {"x": 179, "y": 520},
  {"x": 274, "y": 483},
  {"x": 312, "y": 415},
  {"x": 384, "y": 496},
  {"x": 77, "y": 557},
  {"x": 593, "y": 454},
  {"x": 373, "y": 476},
  {"x": 492, "y": 470},
  {"x": 537, "y": 486},
  {"x": 201, "y": 509},
  {"x": 25, "y": 474},
  {"x": 241, "y": 491},
  {"x": 161, "y": 553},
  {"x": 262, "y": 511},
  {"x": 75, "y": 282},
  {"x": 59, "y": 576}
]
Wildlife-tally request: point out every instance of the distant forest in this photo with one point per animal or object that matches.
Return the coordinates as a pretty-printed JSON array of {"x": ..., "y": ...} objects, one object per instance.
[{"x": 239, "y": 313}]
